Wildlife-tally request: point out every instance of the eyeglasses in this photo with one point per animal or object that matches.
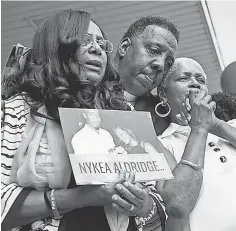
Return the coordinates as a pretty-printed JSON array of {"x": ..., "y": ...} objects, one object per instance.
[{"x": 105, "y": 45}]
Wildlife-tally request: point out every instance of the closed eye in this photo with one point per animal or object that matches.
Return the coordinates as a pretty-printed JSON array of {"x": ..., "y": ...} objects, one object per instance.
[
  {"x": 201, "y": 80},
  {"x": 183, "y": 77},
  {"x": 154, "y": 50},
  {"x": 168, "y": 64}
]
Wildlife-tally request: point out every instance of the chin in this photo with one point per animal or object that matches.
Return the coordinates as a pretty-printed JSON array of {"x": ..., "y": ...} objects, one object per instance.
[{"x": 94, "y": 78}]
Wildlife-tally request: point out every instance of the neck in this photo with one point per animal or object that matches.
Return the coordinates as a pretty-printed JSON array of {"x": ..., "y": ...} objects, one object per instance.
[
  {"x": 93, "y": 128},
  {"x": 160, "y": 125}
]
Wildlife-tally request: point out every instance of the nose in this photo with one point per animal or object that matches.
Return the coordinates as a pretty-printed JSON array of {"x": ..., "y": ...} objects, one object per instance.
[
  {"x": 194, "y": 83},
  {"x": 95, "y": 48},
  {"x": 158, "y": 64}
]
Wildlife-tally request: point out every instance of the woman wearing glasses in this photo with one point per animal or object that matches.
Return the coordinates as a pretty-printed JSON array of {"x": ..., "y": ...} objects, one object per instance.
[{"x": 70, "y": 67}]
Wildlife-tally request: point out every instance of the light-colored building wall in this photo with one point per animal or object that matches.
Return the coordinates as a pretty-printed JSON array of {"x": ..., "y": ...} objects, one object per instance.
[{"x": 19, "y": 20}]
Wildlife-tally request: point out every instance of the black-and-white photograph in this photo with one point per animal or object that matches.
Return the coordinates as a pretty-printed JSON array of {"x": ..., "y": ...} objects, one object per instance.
[
  {"x": 97, "y": 132},
  {"x": 97, "y": 141},
  {"x": 148, "y": 95}
]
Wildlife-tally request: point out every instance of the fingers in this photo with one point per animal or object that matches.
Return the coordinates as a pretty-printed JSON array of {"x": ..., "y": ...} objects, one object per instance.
[
  {"x": 187, "y": 103},
  {"x": 120, "y": 178},
  {"x": 207, "y": 99},
  {"x": 192, "y": 95},
  {"x": 137, "y": 191},
  {"x": 127, "y": 195},
  {"x": 212, "y": 105},
  {"x": 185, "y": 112},
  {"x": 200, "y": 95},
  {"x": 184, "y": 115},
  {"x": 140, "y": 185},
  {"x": 182, "y": 119},
  {"x": 131, "y": 178},
  {"x": 123, "y": 210}
]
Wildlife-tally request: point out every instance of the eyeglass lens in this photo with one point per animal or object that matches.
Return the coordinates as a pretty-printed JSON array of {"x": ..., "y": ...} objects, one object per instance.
[{"x": 103, "y": 43}]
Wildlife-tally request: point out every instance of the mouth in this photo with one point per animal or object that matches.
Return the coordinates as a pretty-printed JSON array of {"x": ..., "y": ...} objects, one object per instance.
[
  {"x": 94, "y": 65},
  {"x": 147, "y": 80},
  {"x": 150, "y": 78}
]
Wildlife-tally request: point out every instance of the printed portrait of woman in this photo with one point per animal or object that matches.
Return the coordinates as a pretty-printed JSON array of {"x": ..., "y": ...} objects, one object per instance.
[{"x": 131, "y": 144}]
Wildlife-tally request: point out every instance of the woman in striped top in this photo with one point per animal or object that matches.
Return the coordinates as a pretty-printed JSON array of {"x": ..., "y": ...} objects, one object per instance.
[{"x": 70, "y": 67}]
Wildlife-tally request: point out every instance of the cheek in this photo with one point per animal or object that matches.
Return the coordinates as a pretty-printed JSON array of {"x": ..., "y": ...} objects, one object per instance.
[
  {"x": 158, "y": 80},
  {"x": 175, "y": 95},
  {"x": 104, "y": 60},
  {"x": 138, "y": 60}
]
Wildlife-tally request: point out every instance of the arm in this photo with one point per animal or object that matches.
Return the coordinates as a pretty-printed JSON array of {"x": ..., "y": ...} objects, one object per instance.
[
  {"x": 225, "y": 131},
  {"x": 181, "y": 193},
  {"x": 140, "y": 197},
  {"x": 33, "y": 207},
  {"x": 20, "y": 207},
  {"x": 177, "y": 224}
]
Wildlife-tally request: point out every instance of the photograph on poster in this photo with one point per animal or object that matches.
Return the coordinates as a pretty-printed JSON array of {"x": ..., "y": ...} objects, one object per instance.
[{"x": 99, "y": 143}]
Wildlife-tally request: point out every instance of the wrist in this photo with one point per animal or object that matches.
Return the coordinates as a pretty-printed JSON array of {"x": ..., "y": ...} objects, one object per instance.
[
  {"x": 143, "y": 220},
  {"x": 147, "y": 210},
  {"x": 216, "y": 125},
  {"x": 199, "y": 130},
  {"x": 69, "y": 199}
]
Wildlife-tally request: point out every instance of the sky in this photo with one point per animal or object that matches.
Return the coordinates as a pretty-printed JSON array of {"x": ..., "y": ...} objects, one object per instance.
[{"x": 223, "y": 14}]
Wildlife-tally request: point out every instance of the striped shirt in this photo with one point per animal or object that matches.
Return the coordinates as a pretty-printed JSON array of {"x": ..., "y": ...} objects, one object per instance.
[{"x": 12, "y": 132}]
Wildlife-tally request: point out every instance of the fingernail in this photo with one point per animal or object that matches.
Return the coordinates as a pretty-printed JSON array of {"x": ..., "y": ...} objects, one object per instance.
[
  {"x": 114, "y": 197},
  {"x": 119, "y": 186},
  {"x": 126, "y": 184},
  {"x": 178, "y": 116}
]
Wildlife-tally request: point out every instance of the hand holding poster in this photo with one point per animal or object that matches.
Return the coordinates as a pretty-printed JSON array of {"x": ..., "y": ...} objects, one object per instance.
[{"x": 101, "y": 142}]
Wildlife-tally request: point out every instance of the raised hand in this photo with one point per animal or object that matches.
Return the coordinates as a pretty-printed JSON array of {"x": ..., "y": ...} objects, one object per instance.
[
  {"x": 134, "y": 198},
  {"x": 185, "y": 116},
  {"x": 202, "y": 111}
]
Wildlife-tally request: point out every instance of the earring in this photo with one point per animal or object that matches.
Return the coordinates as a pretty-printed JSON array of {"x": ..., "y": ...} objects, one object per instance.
[{"x": 163, "y": 104}]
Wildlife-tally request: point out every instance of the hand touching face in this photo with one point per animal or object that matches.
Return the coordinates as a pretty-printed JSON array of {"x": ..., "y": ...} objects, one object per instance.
[{"x": 189, "y": 76}]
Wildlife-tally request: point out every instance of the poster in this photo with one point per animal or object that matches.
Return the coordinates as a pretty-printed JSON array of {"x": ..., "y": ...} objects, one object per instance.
[{"x": 101, "y": 142}]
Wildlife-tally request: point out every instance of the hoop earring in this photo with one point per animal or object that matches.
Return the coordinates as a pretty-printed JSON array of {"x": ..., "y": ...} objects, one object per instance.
[{"x": 163, "y": 104}]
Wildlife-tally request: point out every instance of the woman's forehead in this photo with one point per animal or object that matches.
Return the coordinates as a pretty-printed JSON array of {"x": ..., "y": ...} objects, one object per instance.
[
  {"x": 190, "y": 66},
  {"x": 94, "y": 30}
]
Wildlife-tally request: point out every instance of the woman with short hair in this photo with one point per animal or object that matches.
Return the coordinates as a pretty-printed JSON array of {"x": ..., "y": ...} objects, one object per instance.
[{"x": 203, "y": 145}]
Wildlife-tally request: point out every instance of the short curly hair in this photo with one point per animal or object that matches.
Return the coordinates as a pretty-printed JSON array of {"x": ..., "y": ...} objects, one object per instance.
[
  {"x": 225, "y": 105},
  {"x": 140, "y": 25}
]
